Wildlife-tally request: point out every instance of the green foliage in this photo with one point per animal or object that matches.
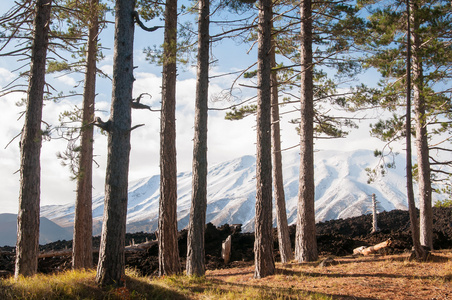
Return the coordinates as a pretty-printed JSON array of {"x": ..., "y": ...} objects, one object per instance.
[
  {"x": 55, "y": 66},
  {"x": 187, "y": 38},
  {"x": 236, "y": 6},
  {"x": 70, "y": 130},
  {"x": 389, "y": 130},
  {"x": 149, "y": 9},
  {"x": 385, "y": 42},
  {"x": 251, "y": 74},
  {"x": 185, "y": 48},
  {"x": 443, "y": 203},
  {"x": 382, "y": 167},
  {"x": 241, "y": 112}
]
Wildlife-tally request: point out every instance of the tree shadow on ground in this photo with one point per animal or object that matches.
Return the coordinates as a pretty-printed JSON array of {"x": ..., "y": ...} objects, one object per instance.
[{"x": 282, "y": 292}]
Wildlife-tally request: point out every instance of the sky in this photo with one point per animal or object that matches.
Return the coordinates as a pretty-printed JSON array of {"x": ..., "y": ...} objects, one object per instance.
[{"x": 226, "y": 139}]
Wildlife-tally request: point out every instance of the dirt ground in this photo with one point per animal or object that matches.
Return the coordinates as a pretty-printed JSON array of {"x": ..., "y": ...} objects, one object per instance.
[
  {"x": 375, "y": 277},
  {"x": 335, "y": 238}
]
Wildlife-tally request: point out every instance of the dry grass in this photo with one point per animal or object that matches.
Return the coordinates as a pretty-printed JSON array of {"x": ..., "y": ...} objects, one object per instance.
[{"x": 377, "y": 277}]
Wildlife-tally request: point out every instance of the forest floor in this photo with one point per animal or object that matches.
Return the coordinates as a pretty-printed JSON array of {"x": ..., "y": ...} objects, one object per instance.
[
  {"x": 389, "y": 274},
  {"x": 388, "y": 277}
]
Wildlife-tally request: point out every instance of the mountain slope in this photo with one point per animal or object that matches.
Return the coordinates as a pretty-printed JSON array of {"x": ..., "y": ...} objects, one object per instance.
[
  {"x": 341, "y": 191},
  {"x": 48, "y": 231}
]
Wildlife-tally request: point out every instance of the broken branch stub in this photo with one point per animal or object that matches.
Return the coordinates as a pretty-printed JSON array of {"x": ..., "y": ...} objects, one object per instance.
[{"x": 226, "y": 250}]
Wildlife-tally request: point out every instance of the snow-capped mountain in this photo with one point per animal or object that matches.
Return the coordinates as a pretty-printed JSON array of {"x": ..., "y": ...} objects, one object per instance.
[{"x": 341, "y": 191}]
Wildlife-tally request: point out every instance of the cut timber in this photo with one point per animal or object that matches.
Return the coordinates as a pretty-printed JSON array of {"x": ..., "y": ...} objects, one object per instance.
[
  {"x": 226, "y": 250},
  {"x": 372, "y": 249}
]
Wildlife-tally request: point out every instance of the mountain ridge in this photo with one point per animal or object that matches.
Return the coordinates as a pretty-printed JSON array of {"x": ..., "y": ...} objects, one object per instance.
[
  {"x": 341, "y": 191},
  {"x": 48, "y": 230}
]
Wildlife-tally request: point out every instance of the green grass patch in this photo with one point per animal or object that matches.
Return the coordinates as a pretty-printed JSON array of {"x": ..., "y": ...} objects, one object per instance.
[{"x": 82, "y": 285}]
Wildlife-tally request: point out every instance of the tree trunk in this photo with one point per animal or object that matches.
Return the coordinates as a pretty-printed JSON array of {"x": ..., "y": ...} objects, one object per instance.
[
  {"x": 30, "y": 148},
  {"x": 195, "y": 243},
  {"x": 305, "y": 242},
  {"x": 423, "y": 164},
  {"x": 409, "y": 175},
  {"x": 111, "y": 267},
  {"x": 285, "y": 248},
  {"x": 374, "y": 214},
  {"x": 168, "y": 249},
  {"x": 263, "y": 246},
  {"x": 82, "y": 255}
]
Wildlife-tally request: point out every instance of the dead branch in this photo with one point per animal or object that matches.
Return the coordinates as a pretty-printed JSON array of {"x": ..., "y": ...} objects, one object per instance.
[
  {"x": 136, "y": 126},
  {"x": 102, "y": 125},
  {"x": 132, "y": 248},
  {"x": 136, "y": 16},
  {"x": 137, "y": 105}
]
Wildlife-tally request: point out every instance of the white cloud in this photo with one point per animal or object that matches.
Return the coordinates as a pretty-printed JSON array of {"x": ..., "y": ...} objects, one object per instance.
[
  {"x": 226, "y": 139},
  {"x": 107, "y": 69},
  {"x": 67, "y": 80},
  {"x": 5, "y": 76}
]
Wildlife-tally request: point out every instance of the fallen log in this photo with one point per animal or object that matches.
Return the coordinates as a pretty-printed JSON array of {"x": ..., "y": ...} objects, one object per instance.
[
  {"x": 141, "y": 247},
  {"x": 372, "y": 249},
  {"x": 67, "y": 252}
]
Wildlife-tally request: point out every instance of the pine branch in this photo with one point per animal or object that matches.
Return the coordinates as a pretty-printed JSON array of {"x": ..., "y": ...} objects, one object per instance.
[{"x": 136, "y": 17}]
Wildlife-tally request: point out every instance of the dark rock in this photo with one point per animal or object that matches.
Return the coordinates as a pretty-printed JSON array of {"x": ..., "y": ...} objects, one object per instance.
[{"x": 334, "y": 238}]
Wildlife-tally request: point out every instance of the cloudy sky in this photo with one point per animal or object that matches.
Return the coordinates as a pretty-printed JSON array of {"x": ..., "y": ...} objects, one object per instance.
[{"x": 226, "y": 139}]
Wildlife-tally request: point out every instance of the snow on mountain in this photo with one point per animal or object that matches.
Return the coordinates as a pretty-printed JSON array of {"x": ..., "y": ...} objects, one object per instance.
[{"x": 340, "y": 186}]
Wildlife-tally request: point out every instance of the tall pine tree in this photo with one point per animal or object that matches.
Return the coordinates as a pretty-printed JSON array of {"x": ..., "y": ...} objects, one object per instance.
[{"x": 111, "y": 266}]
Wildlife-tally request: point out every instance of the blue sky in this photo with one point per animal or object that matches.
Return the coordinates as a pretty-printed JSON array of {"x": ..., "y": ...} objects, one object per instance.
[{"x": 226, "y": 139}]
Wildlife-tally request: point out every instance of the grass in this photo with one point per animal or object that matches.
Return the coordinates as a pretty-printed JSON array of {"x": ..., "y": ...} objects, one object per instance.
[{"x": 376, "y": 277}]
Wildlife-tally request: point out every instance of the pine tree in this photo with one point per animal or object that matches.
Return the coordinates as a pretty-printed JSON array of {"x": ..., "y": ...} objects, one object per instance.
[
  {"x": 430, "y": 20},
  {"x": 30, "y": 148},
  {"x": 195, "y": 247},
  {"x": 285, "y": 248},
  {"x": 82, "y": 250},
  {"x": 167, "y": 231},
  {"x": 423, "y": 164},
  {"x": 111, "y": 266},
  {"x": 409, "y": 176},
  {"x": 305, "y": 241},
  {"x": 264, "y": 264}
]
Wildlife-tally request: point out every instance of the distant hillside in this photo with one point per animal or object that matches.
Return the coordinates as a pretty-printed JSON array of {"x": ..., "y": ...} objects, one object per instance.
[
  {"x": 340, "y": 186},
  {"x": 49, "y": 231}
]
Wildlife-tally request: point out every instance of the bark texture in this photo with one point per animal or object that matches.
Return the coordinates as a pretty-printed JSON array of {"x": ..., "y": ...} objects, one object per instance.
[
  {"x": 285, "y": 248},
  {"x": 30, "y": 148},
  {"x": 409, "y": 175},
  {"x": 195, "y": 243},
  {"x": 168, "y": 249},
  {"x": 305, "y": 241},
  {"x": 264, "y": 264},
  {"x": 111, "y": 266},
  {"x": 82, "y": 248},
  {"x": 423, "y": 164}
]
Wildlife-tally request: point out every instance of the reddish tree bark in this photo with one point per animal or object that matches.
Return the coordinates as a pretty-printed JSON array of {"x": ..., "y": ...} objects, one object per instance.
[{"x": 27, "y": 247}]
